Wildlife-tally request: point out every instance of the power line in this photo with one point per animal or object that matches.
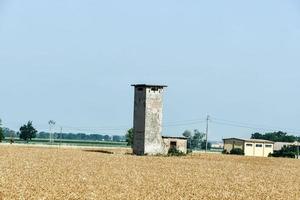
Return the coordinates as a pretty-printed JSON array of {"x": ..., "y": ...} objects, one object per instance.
[
  {"x": 188, "y": 121},
  {"x": 122, "y": 127},
  {"x": 246, "y": 124},
  {"x": 243, "y": 125},
  {"x": 184, "y": 124}
]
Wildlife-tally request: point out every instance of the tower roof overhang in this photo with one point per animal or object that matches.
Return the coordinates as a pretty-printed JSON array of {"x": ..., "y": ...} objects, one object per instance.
[{"x": 148, "y": 86}]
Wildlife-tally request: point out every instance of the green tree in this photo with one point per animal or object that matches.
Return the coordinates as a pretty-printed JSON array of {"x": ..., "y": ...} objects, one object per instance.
[
  {"x": 203, "y": 145},
  {"x": 8, "y": 133},
  {"x": 129, "y": 137},
  {"x": 27, "y": 131},
  {"x": 257, "y": 136},
  {"x": 197, "y": 139},
  {"x": 278, "y": 136},
  {"x": 1, "y": 132},
  {"x": 286, "y": 151},
  {"x": 237, "y": 151},
  {"x": 188, "y": 135}
]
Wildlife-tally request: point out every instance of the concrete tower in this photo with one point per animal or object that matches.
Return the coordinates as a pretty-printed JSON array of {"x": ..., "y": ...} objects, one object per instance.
[{"x": 147, "y": 122}]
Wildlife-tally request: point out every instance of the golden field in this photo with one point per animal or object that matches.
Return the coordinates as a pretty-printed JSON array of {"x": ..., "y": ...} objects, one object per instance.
[{"x": 57, "y": 173}]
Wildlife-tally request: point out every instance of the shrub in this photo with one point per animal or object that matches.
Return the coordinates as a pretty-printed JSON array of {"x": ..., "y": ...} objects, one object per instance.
[
  {"x": 287, "y": 152},
  {"x": 175, "y": 152},
  {"x": 189, "y": 151},
  {"x": 1, "y": 135},
  {"x": 225, "y": 151},
  {"x": 237, "y": 151},
  {"x": 129, "y": 137}
]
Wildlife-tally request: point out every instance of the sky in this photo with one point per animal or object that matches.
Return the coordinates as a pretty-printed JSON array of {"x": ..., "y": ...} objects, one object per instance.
[{"x": 74, "y": 61}]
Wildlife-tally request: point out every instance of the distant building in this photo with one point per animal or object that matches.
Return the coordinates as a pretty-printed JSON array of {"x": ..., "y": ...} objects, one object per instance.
[
  {"x": 278, "y": 145},
  {"x": 251, "y": 147},
  {"x": 179, "y": 143},
  {"x": 147, "y": 122},
  {"x": 217, "y": 145}
]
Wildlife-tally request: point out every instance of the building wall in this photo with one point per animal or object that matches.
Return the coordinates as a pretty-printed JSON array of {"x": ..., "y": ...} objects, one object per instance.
[
  {"x": 181, "y": 144},
  {"x": 139, "y": 121},
  {"x": 258, "y": 149},
  {"x": 278, "y": 145},
  {"x": 148, "y": 105},
  {"x": 249, "y": 150},
  {"x": 153, "y": 124},
  {"x": 230, "y": 144},
  {"x": 268, "y": 150}
]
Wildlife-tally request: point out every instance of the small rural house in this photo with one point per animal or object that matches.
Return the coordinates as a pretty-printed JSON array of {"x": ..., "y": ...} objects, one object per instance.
[
  {"x": 251, "y": 147},
  {"x": 179, "y": 143}
]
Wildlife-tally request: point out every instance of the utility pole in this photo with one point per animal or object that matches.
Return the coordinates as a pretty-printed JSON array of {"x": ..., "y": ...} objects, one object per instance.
[
  {"x": 51, "y": 124},
  {"x": 298, "y": 150},
  {"x": 60, "y": 135},
  {"x": 206, "y": 139}
]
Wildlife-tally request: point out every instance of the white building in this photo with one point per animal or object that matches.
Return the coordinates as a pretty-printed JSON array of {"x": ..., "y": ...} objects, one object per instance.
[{"x": 251, "y": 147}]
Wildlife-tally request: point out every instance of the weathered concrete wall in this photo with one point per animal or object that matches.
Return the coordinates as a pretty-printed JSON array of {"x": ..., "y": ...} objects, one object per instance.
[
  {"x": 181, "y": 144},
  {"x": 148, "y": 105},
  {"x": 139, "y": 121},
  {"x": 153, "y": 123}
]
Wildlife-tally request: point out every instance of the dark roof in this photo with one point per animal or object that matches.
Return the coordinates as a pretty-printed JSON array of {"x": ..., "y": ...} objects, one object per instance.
[
  {"x": 250, "y": 140},
  {"x": 145, "y": 85},
  {"x": 174, "y": 137}
]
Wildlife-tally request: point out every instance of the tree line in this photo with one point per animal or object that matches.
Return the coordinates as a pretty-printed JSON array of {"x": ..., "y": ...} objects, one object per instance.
[
  {"x": 82, "y": 136},
  {"x": 278, "y": 136},
  {"x": 1, "y": 132},
  {"x": 27, "y": 132},
  {"x": 196, "y": 140}
]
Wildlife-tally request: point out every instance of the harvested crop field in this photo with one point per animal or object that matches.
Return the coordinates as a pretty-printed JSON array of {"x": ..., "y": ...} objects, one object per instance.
[{"x": 50, "y": 173}]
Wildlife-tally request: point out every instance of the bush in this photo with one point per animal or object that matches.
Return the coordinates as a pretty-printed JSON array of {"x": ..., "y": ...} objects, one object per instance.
[
  {"x": 175, "y": 152},
  {"x": 225, "y": 151},
  {"x": 237, "y": 151},
  {"x": 1, "y": 135},
  {"x": 189, "y": 151},
  {"x": 129, "y": 137},
  {"x": 287, "y": 152}
]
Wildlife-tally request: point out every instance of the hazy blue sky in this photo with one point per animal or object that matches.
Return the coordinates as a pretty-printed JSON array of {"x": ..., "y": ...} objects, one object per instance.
[{"x": 74, "y": 61}]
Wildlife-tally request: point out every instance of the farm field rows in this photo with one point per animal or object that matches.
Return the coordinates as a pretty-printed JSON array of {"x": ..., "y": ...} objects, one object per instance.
[{"x": 58, "y": 173}]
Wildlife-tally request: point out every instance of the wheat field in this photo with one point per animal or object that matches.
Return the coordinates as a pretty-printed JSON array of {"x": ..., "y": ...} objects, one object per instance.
[{"x": 58, "y": 173}]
